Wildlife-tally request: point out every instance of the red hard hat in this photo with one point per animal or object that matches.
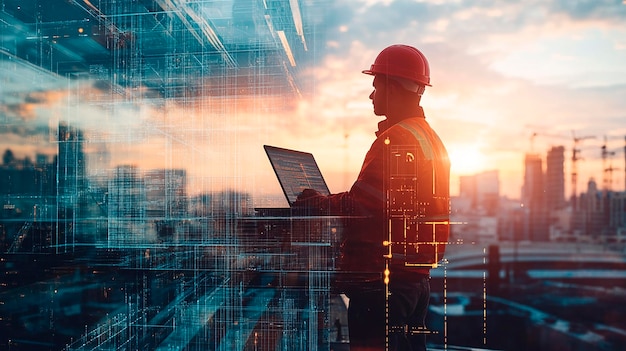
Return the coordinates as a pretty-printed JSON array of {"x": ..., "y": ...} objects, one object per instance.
[{"x": 402, "y": 61}]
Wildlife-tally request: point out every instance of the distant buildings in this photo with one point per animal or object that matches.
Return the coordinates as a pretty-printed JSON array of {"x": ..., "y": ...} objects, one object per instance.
[
  {"x": 131, "y": 206},
  {"x": 483, "y": 191},
  {"x": 126, "y": 208},
  {"x": 145, "y": 206},
  {"x": 542, "y": 213},
  {"x": 128, "y": 205},
  {"x": 28, "y": 202},
  {"x": 600, "y": 216},
  {"x": 475, "y": 211}
]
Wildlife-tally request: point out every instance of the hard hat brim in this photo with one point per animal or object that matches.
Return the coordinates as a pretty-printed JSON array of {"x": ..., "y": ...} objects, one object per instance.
[{"x": 373, "y": 73}]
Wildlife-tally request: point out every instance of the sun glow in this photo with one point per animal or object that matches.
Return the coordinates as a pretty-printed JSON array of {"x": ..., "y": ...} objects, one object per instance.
[{"x": 466, "y": 159}]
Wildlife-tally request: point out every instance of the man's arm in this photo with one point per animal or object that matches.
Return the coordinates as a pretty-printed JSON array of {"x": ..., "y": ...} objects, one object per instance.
[{"x": 334, "y": 205}]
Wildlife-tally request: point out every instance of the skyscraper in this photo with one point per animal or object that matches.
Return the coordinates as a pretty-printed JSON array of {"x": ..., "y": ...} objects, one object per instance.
[
  {"x": 71, "y": 163},
  {"x": 555, "y": 178},
  {"x": 533, "y": 200},
  {"x": 71, "y": 187}
]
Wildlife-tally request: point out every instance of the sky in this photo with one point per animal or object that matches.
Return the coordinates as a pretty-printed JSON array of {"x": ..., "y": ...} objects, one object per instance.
[{"x": 508, "y": 78}]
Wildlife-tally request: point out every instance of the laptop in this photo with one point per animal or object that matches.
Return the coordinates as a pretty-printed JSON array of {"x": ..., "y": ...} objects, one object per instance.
[{"x": 296, "y": 171}]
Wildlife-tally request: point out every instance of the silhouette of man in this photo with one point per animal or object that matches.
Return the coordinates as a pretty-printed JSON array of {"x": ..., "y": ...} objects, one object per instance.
[{"x": 397, "y": 211}]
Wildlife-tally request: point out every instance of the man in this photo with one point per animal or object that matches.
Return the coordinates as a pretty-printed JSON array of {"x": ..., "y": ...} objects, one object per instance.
[{"x": 398, "y": 211}]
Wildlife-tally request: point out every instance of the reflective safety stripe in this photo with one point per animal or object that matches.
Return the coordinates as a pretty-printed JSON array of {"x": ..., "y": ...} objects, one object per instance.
[{"x": 426, "y": 146}]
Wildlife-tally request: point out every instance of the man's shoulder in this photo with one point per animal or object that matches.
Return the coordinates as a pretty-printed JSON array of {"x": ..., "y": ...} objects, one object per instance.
[
  {"x": 414, "y": 121},
  {"x": 408, "y": 127}
]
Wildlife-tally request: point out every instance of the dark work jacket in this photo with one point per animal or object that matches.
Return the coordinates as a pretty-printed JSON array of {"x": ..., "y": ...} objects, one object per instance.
[{"x": 399, "y": 206}]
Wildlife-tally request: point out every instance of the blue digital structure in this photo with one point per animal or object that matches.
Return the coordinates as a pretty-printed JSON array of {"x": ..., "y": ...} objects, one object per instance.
[{"x": 104, "y": 251}]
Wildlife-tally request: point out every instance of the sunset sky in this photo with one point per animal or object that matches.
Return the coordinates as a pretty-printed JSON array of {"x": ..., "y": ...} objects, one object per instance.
[{"x": 501, "y": 72}]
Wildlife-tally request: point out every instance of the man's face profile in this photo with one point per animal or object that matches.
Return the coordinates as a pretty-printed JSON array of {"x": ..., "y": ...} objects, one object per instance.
[{"x": 379, "y": 95}]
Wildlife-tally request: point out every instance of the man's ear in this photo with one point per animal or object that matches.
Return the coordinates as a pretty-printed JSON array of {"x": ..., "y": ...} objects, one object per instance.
[
  {"x": 397, "y": 89},
  {"x": 394, "y": 87}
]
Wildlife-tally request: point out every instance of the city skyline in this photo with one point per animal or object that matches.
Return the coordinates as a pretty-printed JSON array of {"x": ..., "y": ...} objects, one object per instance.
[{"x": 609, "y": 179}]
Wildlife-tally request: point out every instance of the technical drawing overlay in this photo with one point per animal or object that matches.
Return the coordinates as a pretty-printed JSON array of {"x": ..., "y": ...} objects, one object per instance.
[{"x": 415, "y": 237}]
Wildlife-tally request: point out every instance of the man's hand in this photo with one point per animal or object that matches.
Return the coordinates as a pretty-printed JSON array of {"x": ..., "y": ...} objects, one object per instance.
[
  {"x": 309, "y": 198},
  {"x": 307, "y": 194}
]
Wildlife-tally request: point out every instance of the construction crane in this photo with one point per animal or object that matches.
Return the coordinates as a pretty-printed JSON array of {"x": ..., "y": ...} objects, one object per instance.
[
  {"x": 533, "y": 135},
  {"x": 607, "y": 171},
  {"x": 575, "y": 159}
]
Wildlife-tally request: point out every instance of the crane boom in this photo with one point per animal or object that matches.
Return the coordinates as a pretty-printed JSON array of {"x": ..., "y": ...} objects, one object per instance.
[{"x": 575, "y": 159}]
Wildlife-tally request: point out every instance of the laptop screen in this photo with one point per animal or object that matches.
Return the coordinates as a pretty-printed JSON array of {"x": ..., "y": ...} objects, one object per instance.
[{"x": 296, "y": 171}]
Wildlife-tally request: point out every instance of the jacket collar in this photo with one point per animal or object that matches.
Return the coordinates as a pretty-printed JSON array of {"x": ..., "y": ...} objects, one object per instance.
[{"x": 385, "y": 124}]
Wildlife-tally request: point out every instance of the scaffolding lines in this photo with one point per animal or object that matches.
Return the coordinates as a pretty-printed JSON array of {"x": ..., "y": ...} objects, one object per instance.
[{"x": 173, "y": 262}]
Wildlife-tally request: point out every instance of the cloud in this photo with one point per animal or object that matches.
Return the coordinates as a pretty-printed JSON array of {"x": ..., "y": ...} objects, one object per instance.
[
  {"x": 475, "y": 26},
  {"x": 591, "y": 9}
]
